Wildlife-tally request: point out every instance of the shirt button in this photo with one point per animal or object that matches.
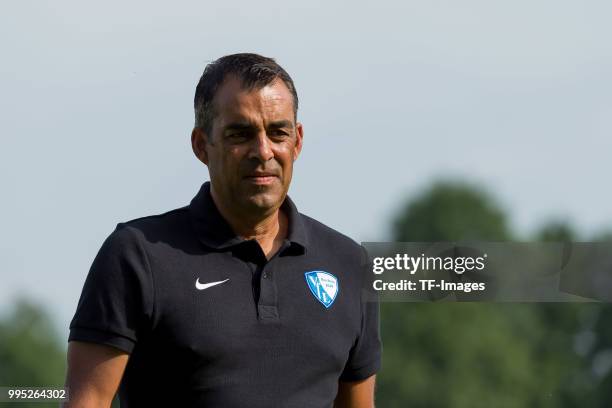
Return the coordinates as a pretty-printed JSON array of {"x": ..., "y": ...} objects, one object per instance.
[{"x": 265, "y": 275}]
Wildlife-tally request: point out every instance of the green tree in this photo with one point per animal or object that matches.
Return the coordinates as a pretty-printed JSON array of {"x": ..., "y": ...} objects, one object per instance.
[
  {"x": 556, "y": 231},
  {"x": 474, "y": 354},
  {"x": 603, "y": 236},
  {"x": 597, "y": 332},
  {"x": 451, "y": 212},
  {"x": 30, "y": 351}
]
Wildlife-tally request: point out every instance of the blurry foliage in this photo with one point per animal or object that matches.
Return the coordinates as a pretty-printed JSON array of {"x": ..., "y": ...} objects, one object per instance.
[
  {"x": 480, "y": 355},
  {"x": 556, "y": 231},
  {"x": 604, "y": 236},
  {"x": 30, "y": 352},
  {"x": 451, "y": 212},
  {"x": 488, "y": 354}
]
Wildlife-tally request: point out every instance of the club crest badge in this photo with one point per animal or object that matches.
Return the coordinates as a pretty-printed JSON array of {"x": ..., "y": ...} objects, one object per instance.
[{"x": 323, "y": 285}]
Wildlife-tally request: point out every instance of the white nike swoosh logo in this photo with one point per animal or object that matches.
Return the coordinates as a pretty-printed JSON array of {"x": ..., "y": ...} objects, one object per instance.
[{"x": 202, "y": 286}]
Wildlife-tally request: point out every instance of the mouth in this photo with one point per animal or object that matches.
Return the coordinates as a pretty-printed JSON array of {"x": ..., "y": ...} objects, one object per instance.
[{"x": 261, "y": 179}]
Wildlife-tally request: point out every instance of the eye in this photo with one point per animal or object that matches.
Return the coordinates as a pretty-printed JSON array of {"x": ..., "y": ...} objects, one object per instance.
[
  {"x": 279, "y": 133},
  {"x": 240, "y": 135}
]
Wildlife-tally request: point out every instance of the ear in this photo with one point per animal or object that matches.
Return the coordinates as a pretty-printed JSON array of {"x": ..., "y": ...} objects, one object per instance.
[
  {"x": 199, "y": 142},
  {"x": 299, "y": 134}
]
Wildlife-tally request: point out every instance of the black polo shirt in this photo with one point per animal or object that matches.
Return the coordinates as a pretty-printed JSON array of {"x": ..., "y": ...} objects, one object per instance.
[{"x": 210, "y": 322}]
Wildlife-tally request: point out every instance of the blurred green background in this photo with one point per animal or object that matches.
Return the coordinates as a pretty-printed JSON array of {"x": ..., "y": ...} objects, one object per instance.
[{"x": 435, "y": 354}]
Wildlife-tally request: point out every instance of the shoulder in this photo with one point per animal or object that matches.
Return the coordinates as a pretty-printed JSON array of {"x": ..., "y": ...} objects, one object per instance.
[
  {"x": 151, "y": 228},
  {"x": 166, "y": 219},
  {"x": 165, "y": 222},
  {"x": 322, "y": 236}
]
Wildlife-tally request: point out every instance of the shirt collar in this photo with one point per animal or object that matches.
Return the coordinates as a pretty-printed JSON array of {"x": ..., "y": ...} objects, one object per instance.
[{"x": 214, "y": 231}]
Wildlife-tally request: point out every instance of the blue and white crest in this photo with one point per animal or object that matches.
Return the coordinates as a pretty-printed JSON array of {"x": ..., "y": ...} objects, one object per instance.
[{"x": 323, "y": 285}]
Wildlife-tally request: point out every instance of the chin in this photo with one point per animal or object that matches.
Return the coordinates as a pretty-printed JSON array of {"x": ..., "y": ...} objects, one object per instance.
[{"x": 265, "y": 200}]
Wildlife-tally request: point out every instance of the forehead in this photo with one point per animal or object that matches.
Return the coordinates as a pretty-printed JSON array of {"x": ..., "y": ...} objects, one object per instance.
[{"x": 233, "y": 102}]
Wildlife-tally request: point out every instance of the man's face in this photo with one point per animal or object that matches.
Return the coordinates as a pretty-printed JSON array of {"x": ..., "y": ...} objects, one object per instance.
[{"x": 252, "y": 146}]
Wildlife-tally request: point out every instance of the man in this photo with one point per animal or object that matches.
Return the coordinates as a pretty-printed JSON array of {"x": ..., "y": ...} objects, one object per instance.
[{"x": 236, "y": 300}]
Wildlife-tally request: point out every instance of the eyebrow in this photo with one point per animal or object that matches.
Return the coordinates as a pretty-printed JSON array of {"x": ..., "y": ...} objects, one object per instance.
[
  {"x": 239, "y": 126},
  {"x": 279, "y": 124}
]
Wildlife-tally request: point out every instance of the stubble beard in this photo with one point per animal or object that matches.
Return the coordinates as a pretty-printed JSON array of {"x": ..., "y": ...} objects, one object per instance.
[{"x": 263, "y": 200}]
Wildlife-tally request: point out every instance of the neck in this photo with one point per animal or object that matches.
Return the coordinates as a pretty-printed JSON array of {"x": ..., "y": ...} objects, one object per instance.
[{"x": 268, "y": 229}]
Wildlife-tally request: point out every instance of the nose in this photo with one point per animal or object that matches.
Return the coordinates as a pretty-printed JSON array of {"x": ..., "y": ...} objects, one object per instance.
[{"x": 261, "y": 148}]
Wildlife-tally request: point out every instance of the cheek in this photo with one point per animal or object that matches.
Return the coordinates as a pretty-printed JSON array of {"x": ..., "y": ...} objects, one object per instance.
[
  {"x": 286, "y": 159},
  {"x": 234, "y": 151},
  {"x": 286, "y": 154},
  {"x": 232, "y": 157}
]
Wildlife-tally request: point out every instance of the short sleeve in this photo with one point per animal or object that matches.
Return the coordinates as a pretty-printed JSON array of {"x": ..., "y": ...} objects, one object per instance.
[
  {"x": 365, "y": 356},
  {"x": 116, "y": 303}
]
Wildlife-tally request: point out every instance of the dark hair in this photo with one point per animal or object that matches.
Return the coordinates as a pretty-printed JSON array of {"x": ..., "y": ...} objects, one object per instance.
[{"x": 255, "y": 72}]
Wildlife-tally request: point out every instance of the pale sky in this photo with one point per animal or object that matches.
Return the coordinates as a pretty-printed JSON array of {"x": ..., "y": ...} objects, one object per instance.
[{"x": 96, "y": 112}]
